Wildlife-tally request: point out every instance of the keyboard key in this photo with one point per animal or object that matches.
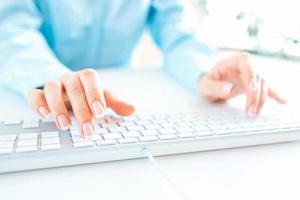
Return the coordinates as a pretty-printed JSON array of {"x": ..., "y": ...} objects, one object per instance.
[
  {"x": 169, "y": 125},
  {"x": 124, "y": 124},
  {"x": 83, "y": 144},
  {"x": 149, "y": 132},
  {"x": 106, "y": 142},
  {"x": 12, "y": 122},
  {"x": 48, "y": 120},
  {"x": 135, "y": 128},
  {"x": 168, "y": 137},
  {"x": 33, "y": 124},
  {"x": 143, "y": 122},
  {"x": 174, "y": 120},
  {"x": 201, "y": 128},
  {"x": 148, "y": 138},
  {"x": 160, "y": 116},
  {"x": 112, "y": 120},
  {"x": 184, "y": 129},
  {"x": 6, "y": 150},
  {"x": 117, "y": 129},
  {"x": 75, "y": 132},
  {"x": 109, "y": 125},
  {"x": 6, "y": 144},
  {"x": 130, "y": 134},
  {"x": 204, "y": 133},
  {"x": 28, "y": 136},
  {"x": 152, "y": 126},
  {"x": 145, "y": 117},
  {"x": 50, "y": 134},
  {"x": 96, "y": 137},
  {"x": 78, "y": 138},
  {"x": 7, "y": 137},
  {"x": 50, "y": 147},
  {"x": 159, "y": 121},
  {"x": 112, "y": 136},
  {"x": 216, "y": 126},
  {"x": 21, "y": 149},
  {"x": 200, "y": 123},
  {"x": 128, "y": 140},
  {"x": 28, "y": 142},
  {"x": 167, "y": 131},
  {"x": 101, "y": 130},
  {"x": 74, "y": 127},
  {"x": 53, "y": 140},
  {"x": 186, "y": 135},
  {"x": 184, "y": 124}
]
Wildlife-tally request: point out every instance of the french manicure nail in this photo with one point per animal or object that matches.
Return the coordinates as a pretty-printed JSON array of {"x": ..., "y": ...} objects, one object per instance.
[
  {"x": 226, "y": 88},
  {"x": 252, "y": 111},
  {"x": 44, "y": 112},
  {"x": 98, "y": 109},
  {"x": 63, "y": 122},
  {"x": 87, "y": 129}
]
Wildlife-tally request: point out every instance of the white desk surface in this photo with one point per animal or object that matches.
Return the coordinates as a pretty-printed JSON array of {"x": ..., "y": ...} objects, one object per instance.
[{"x": 268, "y": 172}]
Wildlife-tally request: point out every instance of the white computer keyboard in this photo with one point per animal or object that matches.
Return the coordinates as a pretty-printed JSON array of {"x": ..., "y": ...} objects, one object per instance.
[{"x": 26, "y": 145}]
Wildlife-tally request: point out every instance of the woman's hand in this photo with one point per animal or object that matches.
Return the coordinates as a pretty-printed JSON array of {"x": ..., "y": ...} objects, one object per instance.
[
  {"x": 232, "y": 76},
  {"x": 80, "y": 92}
]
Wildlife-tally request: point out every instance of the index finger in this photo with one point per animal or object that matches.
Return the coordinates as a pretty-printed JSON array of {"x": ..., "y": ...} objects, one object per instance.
[
  {"x": 93, "y": 91},
  {"x": 252, "y": 85}
]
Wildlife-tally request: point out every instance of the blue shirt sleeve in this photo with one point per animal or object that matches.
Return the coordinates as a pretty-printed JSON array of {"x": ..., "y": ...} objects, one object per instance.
[
  {"x": 174, "y": 29},
  {"x": 26, "y": 61}
]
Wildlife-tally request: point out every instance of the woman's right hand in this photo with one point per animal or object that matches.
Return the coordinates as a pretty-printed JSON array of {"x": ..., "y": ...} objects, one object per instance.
[{"x": 80, "y": 92}]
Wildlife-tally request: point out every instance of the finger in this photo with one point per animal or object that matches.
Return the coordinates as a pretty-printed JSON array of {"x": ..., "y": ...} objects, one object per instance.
[
  {"x": 79, "y": 104},
  {"x": 252, "y": 84},
  {"x": 38, "y": 102},
  {"x": 253, "y": 92},
  {"x": 263, "y": 96},
  {"x": 93, "y": 91},
  {"x": 215, "y": 90},
  {"x": 54, "y": 96},
  {"x": 117, "y": 105},
  {"x": 272, "y": 94}
]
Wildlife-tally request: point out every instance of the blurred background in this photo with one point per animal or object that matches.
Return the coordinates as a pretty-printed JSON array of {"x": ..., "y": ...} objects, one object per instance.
[{"x": 262, "y": 27}]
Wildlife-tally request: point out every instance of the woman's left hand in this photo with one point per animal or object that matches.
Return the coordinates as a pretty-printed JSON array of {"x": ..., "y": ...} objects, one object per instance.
[{"x": 232, "y": 76}]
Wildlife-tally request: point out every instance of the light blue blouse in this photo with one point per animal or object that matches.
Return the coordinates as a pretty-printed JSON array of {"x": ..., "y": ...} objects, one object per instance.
[{"x": 42, "y": 39}]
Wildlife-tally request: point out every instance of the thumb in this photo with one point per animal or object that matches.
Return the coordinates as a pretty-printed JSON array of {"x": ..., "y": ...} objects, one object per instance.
[
  {"x": 117, "y": 105},
  {"x": 215, "y": 90}
]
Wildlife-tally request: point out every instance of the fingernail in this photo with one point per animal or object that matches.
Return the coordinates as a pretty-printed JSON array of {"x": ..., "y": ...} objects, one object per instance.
[
  {"x": 252, "y": 111},
  {"x": 226, "y": 88},
  {"x": 87, "y": 129},
  {"x": 98, "y": 109},
  {"x": 63, "y": 122},
  {"x": 44, "y": 112}
]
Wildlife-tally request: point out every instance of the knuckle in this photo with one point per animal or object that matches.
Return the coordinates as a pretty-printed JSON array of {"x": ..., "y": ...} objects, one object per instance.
[
  {"x": 52, "y": 85},
  {"x": 83, "y": 114},
  {"x": 66, "y": 76},
  {"x": 35, "y": 95},
  {"x": 94, "y": 92},
  {"x": 89, "y": 73},
  {"x": 31, "y": 93},
  {"x": 75, "y": 89}
]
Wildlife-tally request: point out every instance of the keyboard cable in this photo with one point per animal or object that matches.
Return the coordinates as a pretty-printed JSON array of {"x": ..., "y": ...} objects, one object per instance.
[{"x": 164, "y": 174}]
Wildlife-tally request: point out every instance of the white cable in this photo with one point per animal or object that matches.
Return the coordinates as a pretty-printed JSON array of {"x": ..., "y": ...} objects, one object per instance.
[{"x": 164, "y": 174}]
